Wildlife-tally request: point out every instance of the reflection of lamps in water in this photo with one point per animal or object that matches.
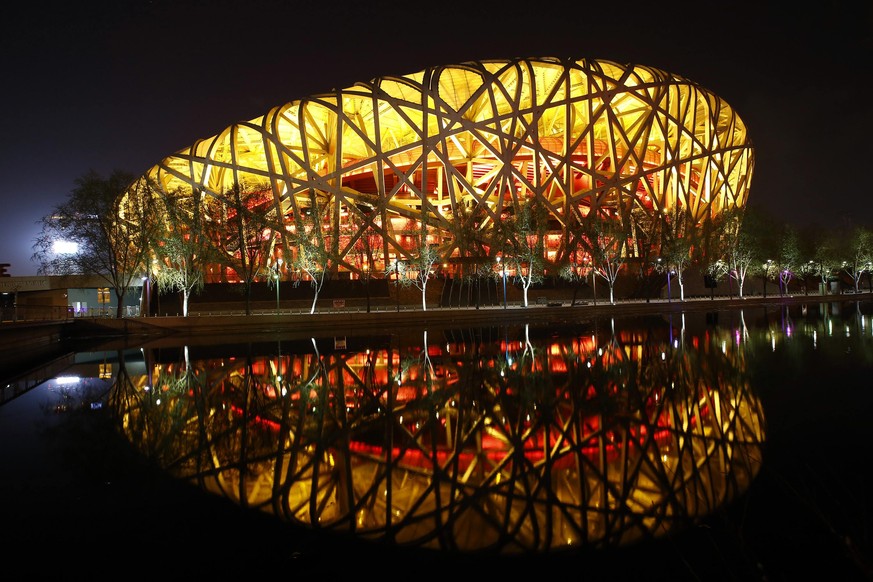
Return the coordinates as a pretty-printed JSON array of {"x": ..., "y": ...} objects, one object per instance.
[{"x": 279, "y": 386}]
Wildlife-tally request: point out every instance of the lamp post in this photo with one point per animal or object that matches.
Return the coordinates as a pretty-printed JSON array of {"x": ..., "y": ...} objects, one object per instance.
[
  {"x": 145, "y": 294},
  {"x": 845, "y": 270},
  {"x": 397, "y": 282},
  {"x": 764, "y": 277},
  {"x": 669, "y": 272},
  {"x": 593, "y": 280},
  {"x": 811, "y": 271},
  {"x": 669, "y": 292},
  {"x": 277, "y": 268},
  {"x": 503, "y": 266}
]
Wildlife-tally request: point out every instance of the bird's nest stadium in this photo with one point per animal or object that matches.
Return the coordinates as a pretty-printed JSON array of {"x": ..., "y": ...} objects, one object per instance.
[{"x": 450, "y": 155}]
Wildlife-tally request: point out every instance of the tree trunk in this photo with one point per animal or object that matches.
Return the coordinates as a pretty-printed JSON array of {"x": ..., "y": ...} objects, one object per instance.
[
  {"x": 424, "y": 296},
  {"x": 367, "y": 285},
  {"x": 119, "y": 309}
]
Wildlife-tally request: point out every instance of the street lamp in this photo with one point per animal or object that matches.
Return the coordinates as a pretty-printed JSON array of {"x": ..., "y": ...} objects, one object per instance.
[
  {"x": 593, "y": 280},
  {"x": 669, "y": 292},
  {"x": 144, "y": 302},
  {"x": 397, "y": 281},
  {"x": 810, "y": 272},
  {"x": 503, "y": 266},
  {"x": 766, "y": 268},
  {"x": 277, "y": 268},
  {"x": 669, "y": 272}
]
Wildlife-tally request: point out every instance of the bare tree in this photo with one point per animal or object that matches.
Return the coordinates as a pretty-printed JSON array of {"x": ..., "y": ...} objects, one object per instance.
[
  {"x": 605, "y": 241},
  {"x": 111, "y": 222},
  {"x": 313, "y": 251},
  {"x": 740, "y": 247},
  {"x": 717, "y": 270},
  {"x": 788, "y": 257},
  {"x": 576, "y": 265},
  {"x": 859, "y": 255},
  {"x": 367, "y": 248},
  {"x": 476, "y": 253},
  {"x": 418, "y": 268},
  {"x": 185, "y": 247},
  {"x": 248, "y": 236},
  {"x": 527, "y": 230},
  {"x": 807, "y": 270},
  {"x": 826, "y": 256},
  {"x": 675, "y": 260}
]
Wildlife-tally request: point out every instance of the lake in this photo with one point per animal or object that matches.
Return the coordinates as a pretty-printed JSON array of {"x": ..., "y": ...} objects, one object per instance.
[{"x": 708, "y": 445}]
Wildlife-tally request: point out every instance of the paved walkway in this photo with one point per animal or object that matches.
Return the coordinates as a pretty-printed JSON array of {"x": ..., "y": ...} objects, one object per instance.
[{"x": 385, "y": 318}]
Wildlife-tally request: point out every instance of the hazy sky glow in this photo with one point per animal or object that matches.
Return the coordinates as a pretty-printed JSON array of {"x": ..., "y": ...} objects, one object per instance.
[{"x": 111, "y": 85}]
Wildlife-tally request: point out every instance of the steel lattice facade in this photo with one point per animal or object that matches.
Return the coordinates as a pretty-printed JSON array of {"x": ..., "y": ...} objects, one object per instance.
[{"x": 459, "y": 148}]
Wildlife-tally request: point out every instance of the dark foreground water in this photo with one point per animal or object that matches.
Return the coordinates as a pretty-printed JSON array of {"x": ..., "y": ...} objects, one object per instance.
[{"x": 730, "y": 445}]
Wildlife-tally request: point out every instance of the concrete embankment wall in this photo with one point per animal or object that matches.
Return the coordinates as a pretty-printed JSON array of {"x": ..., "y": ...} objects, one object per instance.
[
  {"x": 27, "y": 334},
  {"x": 304, "y": 324},
  {"x": 24, "y": 345},
  {"x": 338, "y": 322}
]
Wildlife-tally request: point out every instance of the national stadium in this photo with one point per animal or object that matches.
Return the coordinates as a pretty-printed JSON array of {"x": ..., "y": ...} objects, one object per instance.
[{"x": 448, "y": 159}]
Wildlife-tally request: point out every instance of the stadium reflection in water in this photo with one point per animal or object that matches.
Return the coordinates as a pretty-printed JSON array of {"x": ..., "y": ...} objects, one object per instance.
[{"x": 505, "y": 440}]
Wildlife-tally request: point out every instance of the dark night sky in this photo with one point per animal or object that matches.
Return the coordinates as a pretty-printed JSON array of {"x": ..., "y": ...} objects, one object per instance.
[{"x": 116, "y": 84}]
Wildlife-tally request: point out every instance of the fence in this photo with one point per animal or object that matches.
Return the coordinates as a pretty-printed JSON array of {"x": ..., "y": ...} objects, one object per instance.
[{"x": 60, "y": 312}]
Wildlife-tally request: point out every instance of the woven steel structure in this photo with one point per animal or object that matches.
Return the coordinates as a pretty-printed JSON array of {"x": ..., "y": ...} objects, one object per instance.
[{"x": 457, "y": 150}]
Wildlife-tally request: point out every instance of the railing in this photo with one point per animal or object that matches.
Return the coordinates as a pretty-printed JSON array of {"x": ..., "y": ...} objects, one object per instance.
[
  {"x": 106, "y": 311},
  {"x": 34, "y": 313},
  {"x": 20, "y": 313}
]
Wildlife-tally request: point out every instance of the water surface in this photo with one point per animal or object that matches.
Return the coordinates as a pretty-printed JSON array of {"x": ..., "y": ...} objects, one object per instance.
[{"x": 729, "y": 444}]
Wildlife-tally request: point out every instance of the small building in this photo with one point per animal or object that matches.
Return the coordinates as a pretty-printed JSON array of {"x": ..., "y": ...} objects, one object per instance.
[{"x": 63, "y": 296}]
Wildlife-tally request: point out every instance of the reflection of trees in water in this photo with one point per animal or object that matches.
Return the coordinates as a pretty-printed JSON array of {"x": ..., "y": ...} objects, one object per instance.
[
  {"x": 156, "y": 408},
  {"x": 508, "y": 444},
  {"x": 795, "y": 329}
]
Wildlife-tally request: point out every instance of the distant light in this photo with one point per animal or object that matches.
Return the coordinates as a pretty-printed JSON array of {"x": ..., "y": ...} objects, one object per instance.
[
  {"x": 65, "y": 247},
  {"x": 64, "y": 380}
]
